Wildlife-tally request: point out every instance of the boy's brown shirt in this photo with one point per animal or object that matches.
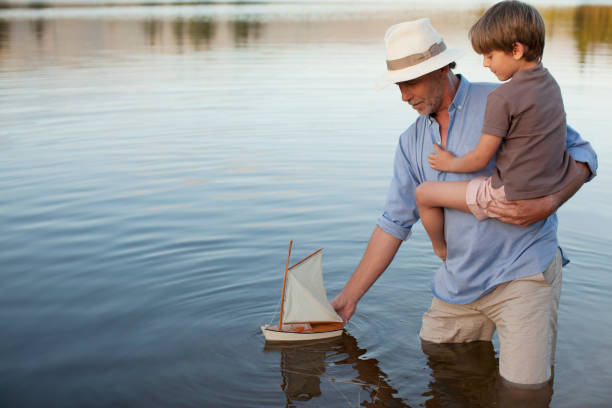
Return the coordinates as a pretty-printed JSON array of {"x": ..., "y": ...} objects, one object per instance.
[{"x": 528, "y": 113}]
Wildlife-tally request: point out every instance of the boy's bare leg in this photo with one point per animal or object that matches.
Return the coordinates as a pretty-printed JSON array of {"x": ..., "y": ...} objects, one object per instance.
[
  {"x": 431, "y": 197},
  {"x": 433, "y": 221}
]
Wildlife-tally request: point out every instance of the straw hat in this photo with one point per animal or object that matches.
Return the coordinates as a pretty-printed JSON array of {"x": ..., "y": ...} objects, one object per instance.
[{"x": 414, "y": 49}]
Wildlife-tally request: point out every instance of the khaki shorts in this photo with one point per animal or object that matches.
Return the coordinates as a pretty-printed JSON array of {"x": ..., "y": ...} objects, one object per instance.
[{"x": 524, "y": 311}]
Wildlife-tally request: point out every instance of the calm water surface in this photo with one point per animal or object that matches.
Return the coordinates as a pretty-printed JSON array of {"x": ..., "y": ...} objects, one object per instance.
[{"x": 155, "y": 162}]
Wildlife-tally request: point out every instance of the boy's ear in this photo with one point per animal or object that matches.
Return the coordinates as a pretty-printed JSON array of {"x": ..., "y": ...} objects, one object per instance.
[{"x": 518, "y": 50}]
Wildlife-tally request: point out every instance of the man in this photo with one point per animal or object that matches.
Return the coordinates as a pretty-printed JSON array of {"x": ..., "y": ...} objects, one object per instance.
[{"x": 497, "y": 275}]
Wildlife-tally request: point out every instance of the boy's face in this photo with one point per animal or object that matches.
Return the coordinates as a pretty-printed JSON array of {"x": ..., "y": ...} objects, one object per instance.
[{"x": 503, "y": 64}]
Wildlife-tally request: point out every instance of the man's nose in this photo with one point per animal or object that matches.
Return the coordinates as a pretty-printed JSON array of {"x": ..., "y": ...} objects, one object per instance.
[{"x": 406, "y": 96}]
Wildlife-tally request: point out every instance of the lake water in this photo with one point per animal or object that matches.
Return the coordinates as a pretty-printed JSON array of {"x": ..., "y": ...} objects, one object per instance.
[{"x": 156, "y": 160}]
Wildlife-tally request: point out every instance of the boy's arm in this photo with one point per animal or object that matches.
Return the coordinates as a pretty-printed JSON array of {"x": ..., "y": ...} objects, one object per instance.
[{"x": 474, "y": 160}]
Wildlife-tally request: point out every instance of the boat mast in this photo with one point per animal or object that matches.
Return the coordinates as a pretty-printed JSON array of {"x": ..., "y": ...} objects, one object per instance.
[{"x": 280, "y": 321}]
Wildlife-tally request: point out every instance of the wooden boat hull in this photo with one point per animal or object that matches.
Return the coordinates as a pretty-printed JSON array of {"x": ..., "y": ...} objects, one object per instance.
[{"x": 302, "y": 332}]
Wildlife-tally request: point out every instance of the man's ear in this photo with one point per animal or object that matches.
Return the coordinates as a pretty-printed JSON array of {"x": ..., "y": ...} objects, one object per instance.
[{"x": 518, "y": 50}]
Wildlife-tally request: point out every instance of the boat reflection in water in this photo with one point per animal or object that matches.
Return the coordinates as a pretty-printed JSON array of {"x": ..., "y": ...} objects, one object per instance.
[{"x": 331, "y": 363}]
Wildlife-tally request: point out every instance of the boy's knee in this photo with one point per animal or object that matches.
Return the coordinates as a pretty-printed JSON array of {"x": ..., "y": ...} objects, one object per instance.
[{"x": 421, "y": 192}]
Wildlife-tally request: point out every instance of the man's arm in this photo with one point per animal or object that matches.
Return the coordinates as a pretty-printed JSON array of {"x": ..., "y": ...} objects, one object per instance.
[
  {"x": 526, "y": 212},
  {"x": 393, "y": 227},
  {"x": 381, "y": 249}
]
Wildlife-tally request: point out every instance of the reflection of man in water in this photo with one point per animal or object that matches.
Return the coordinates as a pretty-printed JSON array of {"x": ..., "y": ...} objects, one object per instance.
[
  {"x": 462, "y": 375},
  {"x": 496, "y": 275}
]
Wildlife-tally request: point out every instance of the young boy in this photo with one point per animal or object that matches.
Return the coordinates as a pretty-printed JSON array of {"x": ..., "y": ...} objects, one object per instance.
[{"x": 524, "y": 118}]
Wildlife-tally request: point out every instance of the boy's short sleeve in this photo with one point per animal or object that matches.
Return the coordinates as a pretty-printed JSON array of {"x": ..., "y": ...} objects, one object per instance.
[{"x": 497, "y": 115}]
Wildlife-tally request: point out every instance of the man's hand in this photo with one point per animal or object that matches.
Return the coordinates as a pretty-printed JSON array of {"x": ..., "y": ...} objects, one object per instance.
[
  {"x": 343, "y": 307},
  {"x": 524, "y": 212},
  {"x": 441, "y": 160}
]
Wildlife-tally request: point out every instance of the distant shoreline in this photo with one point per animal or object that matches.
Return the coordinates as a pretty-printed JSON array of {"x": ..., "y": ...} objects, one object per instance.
[{"x": 97, "y": 4}]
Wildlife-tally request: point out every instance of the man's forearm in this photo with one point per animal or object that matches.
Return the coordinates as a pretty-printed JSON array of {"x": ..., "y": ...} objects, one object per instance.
[
  {"x": 561, "y": 196},
  {"x": 378, "y": 255},
  {"x": 381, "y": 249},
  {"x": 526, "y": 212}
]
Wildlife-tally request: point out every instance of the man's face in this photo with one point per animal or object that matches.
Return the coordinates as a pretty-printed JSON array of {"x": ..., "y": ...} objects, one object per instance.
[{"x": 424, "y": 93}]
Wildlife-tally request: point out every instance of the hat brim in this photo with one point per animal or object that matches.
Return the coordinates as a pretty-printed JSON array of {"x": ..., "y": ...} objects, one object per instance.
[{"x": 406, "y": 74}]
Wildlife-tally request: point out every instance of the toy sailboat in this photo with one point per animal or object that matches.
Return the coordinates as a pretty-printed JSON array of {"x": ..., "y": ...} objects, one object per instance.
[{"x": 305, "y": 312}]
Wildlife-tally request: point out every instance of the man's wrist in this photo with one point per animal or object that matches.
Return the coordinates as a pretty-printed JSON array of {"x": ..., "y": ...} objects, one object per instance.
[
  {"x": 585, "y": 169},
  {"x": 350, "y": 297},
  {"x": 562, "y": 196},
  {"x": 555, "y": 202}
]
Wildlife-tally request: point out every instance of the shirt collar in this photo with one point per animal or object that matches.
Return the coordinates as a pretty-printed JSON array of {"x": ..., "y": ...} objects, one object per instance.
[
  {"x": 460, "y": 96},
  {"x": 459, "y": 99},
  {"x": 527, "y": 72}
]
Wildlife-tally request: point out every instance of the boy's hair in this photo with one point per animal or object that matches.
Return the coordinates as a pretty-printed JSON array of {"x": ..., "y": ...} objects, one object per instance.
[{"x": 506, "y": 23}]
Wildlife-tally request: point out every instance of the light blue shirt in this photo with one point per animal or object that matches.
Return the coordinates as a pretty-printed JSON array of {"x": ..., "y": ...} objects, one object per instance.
[{"x": 480, "y": 254}]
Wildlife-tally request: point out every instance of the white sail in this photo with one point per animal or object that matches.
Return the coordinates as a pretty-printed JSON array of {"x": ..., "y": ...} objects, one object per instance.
[{"x": 305, "y": 297}]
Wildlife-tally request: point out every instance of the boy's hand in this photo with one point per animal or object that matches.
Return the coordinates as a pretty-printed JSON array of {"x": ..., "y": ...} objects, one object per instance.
[{"x": 442, "y": 160}]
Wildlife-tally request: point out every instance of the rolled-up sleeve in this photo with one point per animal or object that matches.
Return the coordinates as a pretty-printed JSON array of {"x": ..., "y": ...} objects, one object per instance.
[
  {"x": 400, "y": 211},
  {"x": 581, "y": 150}
]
